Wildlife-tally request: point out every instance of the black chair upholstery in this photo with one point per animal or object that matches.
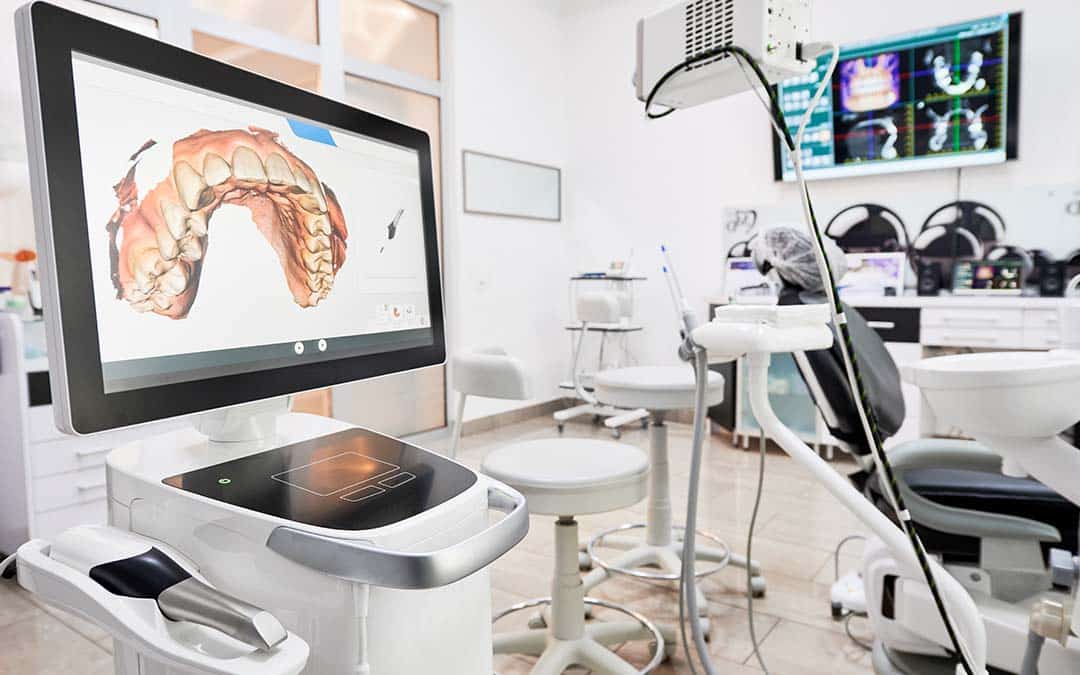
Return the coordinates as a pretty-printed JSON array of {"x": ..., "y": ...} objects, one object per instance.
[
  {"x": 974, "y": 490},
  {"x": 991, "y": 493}
]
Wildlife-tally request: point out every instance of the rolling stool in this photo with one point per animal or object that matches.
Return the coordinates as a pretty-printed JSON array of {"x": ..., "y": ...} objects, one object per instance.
[
  {"x": 658, "y": 389},
  {"x": 567, "y": 478}
]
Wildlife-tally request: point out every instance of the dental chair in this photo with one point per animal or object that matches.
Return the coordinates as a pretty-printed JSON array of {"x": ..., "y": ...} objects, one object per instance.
[{"x": 993, "y": 532}]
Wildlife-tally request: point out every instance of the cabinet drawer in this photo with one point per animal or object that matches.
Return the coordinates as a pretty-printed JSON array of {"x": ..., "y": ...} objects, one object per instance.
[
  {"x": 1042, "y": 319},
  {"x": 68, "y": 454},
  {"x": 66, "y": 489},
  {"x": 1041, "y": 339},
  {"x": 948, "y": 336},
  {"x": 42, "y": 427},
  {"x": 48, "y": 525},
  {"x": 973, "y": 318},
  {"x": 893, "y": 324}
]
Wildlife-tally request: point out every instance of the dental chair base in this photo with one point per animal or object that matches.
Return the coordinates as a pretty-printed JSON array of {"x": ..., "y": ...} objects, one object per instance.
[
  {"x": 902, "y": 612},
  {"x": 372, "y": 550}
]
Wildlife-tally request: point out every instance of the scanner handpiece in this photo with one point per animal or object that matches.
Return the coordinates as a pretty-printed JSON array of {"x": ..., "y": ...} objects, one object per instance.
[{"x": 127, "y": 565}]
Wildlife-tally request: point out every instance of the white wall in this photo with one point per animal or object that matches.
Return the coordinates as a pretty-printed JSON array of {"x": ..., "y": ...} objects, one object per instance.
[
  {"x": 643, "y": 183},
  {"x": 507, "y": 277}
]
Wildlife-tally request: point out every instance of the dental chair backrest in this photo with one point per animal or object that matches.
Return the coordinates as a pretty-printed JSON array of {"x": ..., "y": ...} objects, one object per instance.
[
  {"x": 787, "y": 253},
  {"x": 487, "y": 373}
]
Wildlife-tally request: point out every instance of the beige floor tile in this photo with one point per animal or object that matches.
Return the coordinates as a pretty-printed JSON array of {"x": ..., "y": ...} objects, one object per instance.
[
  {"x": 796, "y": 649},
  {"x": 798, "y": 600},
  {"x": 41, "y": 645},
  {"x": 15, "y": 603},
  {"x": 827, "y": 573}
]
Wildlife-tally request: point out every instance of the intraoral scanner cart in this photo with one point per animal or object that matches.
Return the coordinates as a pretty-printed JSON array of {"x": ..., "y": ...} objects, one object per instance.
[{"x": 213, "y": 241}]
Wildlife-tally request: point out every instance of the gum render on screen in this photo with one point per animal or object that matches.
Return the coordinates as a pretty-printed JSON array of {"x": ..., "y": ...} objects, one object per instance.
[{"x": 159, "y": 245}]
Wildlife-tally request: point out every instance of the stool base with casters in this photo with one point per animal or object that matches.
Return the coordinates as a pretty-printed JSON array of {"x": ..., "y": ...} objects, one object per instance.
[
  {"x": 659, "y": 389},
  {"x": 564, "y": 477},
  {"x": 569, "y": 640}
]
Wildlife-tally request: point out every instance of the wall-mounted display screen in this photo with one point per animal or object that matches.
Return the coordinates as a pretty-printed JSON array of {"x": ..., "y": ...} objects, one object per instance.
[{"x": 938, "y": 98}]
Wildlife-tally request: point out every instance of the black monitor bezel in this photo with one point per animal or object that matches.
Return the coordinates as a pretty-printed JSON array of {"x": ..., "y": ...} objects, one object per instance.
[
  {"x": 57, "y": 34},
  {"x": 1012, "y": 122}
]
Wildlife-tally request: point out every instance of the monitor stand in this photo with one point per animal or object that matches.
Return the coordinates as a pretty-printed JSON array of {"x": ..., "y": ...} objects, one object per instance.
[{"x": 244, "y": 423}]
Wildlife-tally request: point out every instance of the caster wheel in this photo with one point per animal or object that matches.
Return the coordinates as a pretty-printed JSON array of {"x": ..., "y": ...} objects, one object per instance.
[
  {"x": 616, "y": 434},
  {"x": 645, "y": 423},
  {"x": 584, "y": 561},
  {"x": 706, "y": 629},
  {"x": 537, "y": 621},
  {"x": 669, "y": 650},
  {"x": 596, "y": 419},
  {"x": 757, "y": 587},
  {"x": 9, "y": 573},
  {"x": 560, "y": 427}
]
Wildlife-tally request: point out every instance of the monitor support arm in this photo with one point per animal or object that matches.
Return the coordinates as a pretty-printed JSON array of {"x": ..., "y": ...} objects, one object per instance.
[{"x": 243, "y": 423}]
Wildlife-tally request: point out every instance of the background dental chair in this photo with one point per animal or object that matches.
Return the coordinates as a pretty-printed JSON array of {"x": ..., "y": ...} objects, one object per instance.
[{"x": 994, "y": 532}]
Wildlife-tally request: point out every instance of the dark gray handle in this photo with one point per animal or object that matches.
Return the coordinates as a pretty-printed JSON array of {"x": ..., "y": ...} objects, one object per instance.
[{"x": 369, "y": 564}]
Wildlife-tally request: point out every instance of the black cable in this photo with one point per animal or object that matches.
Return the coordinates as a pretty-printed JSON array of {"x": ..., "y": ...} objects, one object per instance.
[
  {"x": 851, "y": 636},
  {"x": 874, "y": 436}
]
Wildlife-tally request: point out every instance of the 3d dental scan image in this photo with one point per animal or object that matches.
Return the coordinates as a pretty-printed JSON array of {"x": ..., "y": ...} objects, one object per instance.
[{"x": 164, "y": 232}]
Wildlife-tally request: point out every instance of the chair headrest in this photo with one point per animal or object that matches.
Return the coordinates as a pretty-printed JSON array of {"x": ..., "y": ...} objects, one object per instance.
[{"x": 491, "y": 373}]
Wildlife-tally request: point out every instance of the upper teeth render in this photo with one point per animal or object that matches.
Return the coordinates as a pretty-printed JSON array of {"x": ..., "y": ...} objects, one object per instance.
[{"x": 210, "y": 168}]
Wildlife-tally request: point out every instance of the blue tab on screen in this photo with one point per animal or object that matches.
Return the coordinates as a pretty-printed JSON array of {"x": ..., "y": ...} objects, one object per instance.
[{"x": 312, "y": 132}]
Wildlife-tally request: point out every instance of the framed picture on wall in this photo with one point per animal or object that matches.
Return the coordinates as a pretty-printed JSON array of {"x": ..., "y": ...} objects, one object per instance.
[{"x": 501, "y": 186}]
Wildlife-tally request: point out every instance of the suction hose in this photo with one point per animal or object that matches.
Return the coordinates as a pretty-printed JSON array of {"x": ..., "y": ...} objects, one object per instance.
[{"x": 688, "y": 582}]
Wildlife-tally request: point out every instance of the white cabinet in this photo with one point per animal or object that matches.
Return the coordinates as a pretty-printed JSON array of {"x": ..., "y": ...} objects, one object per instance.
[{"x": 49, "y": 481}]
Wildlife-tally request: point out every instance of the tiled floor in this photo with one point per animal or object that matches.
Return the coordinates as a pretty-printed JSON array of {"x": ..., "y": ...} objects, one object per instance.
[{"x": 799, "y": 525}]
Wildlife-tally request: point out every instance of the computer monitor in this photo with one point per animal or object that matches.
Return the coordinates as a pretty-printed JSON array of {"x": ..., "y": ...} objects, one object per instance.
[
  {"x": 938, "y": 98},
  {"x": 211, "y": 237}
]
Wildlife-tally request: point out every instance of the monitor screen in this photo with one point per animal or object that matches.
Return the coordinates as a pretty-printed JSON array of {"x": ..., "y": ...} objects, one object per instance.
[
  {"x": 988, "y": 277},
  {"x": 225, "y": 237},
  {"x": 937, "y": 98},
  {"x": 211, "y": 237}
]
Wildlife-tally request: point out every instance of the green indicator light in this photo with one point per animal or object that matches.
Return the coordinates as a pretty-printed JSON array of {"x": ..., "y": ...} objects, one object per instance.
[{"x": 224, "y": 481}]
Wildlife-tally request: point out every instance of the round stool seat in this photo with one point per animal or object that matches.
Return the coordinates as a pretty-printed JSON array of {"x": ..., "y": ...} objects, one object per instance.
[
  {"x": 571, "y": 476},
  {"x": 654, "y": 387}
]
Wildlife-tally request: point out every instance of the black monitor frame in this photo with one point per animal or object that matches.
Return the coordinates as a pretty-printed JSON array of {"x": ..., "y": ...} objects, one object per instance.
[
  {"x": 1012, "y": 122},
  {"x": 47, "y": 38}
]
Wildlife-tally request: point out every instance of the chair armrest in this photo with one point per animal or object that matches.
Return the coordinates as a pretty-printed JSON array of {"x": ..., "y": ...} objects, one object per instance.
[
  {"x": 944, "y": 453},
  {"x": 932, "y": 453}
]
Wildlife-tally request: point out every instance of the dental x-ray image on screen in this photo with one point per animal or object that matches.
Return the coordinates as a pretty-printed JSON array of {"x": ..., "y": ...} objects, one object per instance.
[{"x": 934, "y": 99}]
